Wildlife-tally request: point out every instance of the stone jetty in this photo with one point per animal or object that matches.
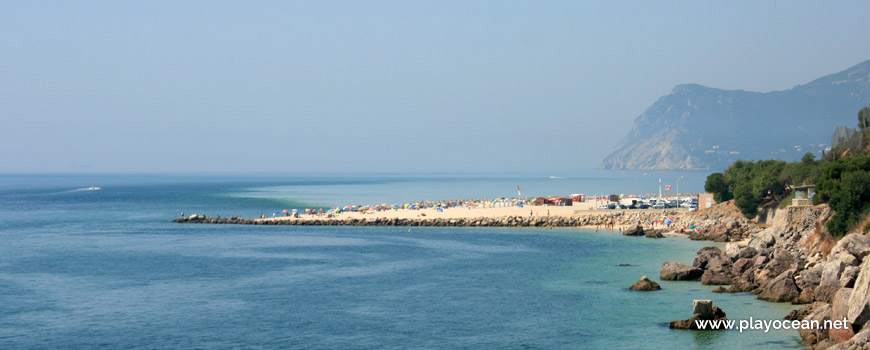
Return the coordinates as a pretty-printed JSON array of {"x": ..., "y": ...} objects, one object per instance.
[{"x": 506, "y": 221}]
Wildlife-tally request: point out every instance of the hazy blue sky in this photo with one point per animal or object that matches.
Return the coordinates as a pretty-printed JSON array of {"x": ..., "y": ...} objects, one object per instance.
[{"x": 372, "y": 85}]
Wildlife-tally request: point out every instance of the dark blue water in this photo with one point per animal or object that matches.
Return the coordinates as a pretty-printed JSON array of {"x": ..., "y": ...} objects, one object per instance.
[{"x": 85, "y": 269}]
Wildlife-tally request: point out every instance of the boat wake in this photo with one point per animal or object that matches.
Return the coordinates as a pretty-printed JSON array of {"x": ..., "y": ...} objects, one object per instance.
[{"x": 85, "y": 189}]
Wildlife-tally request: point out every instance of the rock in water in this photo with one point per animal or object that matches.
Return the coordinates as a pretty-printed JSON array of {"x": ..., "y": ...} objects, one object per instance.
[
  {"x": 701, "y": 310},
  {"x": 636, "y": 231},
  {"x": 645, "y": 284},
  {"x": 677, "y": 271},
  {"x": 653, "y": 234}
]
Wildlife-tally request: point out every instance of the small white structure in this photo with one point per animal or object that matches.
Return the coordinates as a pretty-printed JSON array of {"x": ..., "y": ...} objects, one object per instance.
[{"x": 803, "y": 195}]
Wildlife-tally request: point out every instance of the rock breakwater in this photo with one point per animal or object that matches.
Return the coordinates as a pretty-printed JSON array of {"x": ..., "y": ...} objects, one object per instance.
[
  {"x": 606, "y": 220},
  {"x": 507, "y": 221}
]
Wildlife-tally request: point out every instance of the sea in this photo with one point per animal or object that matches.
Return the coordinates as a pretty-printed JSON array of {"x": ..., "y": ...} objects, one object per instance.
[{"x": 107, "y": 268}]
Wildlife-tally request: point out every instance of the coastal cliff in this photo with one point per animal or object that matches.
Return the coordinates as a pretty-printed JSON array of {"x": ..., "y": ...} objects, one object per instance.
[{"x": 698, "y": 127}]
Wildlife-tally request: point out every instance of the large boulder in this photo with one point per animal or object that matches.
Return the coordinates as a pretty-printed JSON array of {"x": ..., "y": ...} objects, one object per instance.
[
  {"x": 747, "y": 252},
  {"x": 762, "y": 240},
  {"x": 677, "y": 271},
  {"x": 635, "y": 231},
  {"x": 645, "y": 284},
  {"x": 740, "y": 266},
  {"x": 855, "y": 244},
  {"x": 830, "y": 281},
  {"x": 781, "y": 289},
  {"x": 719, "y": 263},
  {"x": 813, "y": 275},
  {"x": 839, "y": 309},
  {"x": 820, "y": 313},
  {"x": 653, "y": 234},
  {"x": 848, "y": 277},
  {"x": 714, "y": 233},
  {"x": 704, "y": 256},
  {"x": 860, "y": 341},
  {"x": 781, "y": 262},
  {"x": 844, "y": 257},
  {"x": 715, "y": 278},
  {"x": 732, "y": 250},
  {"x": 859, "y": 310},
  {"x": 701, "y": 310}
]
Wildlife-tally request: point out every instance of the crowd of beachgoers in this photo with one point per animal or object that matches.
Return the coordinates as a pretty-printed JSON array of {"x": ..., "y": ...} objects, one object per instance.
[{"x": 419, "y": 205}]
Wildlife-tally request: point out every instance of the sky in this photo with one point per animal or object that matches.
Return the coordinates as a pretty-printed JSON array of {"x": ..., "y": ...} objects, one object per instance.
[{"x": 380, "y": 86}]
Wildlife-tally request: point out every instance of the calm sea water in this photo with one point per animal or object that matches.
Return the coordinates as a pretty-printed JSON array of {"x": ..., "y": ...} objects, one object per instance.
[{"x": 84, "y": 269}]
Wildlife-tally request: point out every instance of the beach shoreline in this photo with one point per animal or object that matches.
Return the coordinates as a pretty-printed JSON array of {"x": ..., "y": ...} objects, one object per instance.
[{"x": 583, "y": 216}]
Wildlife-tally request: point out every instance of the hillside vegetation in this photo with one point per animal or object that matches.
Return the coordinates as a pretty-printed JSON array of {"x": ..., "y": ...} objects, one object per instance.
[{"x": 842, "y": 179}]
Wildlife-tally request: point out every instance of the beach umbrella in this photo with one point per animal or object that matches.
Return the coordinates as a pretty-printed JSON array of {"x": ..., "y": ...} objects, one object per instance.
[
  {"x": 691, "y": 227},
  {"x": 284, "y": 211},
  {"x": 668, "y": 221}
]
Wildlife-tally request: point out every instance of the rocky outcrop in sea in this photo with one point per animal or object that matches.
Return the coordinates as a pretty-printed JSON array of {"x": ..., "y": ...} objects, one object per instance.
[{"x": 702, "y": 310}]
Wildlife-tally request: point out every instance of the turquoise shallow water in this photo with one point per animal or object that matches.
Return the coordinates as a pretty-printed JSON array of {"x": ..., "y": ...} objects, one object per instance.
[{"x": 106, "y": 268}]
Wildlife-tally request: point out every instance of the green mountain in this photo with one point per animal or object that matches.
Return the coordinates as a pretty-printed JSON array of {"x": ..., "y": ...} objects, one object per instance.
[{"x": 697, "y": 127}]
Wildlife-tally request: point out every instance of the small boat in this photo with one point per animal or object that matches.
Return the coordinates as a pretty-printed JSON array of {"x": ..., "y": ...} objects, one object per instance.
[{"x": 93, "y": 188}]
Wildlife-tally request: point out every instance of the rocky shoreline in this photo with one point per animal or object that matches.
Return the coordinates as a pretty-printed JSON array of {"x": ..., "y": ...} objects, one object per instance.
[
  {"x": 795, "y": 260},
  {"x": 785, "y": 255}
]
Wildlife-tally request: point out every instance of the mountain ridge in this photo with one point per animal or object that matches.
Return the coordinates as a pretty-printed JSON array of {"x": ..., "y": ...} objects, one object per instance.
[{"x": 696, "y": 127}]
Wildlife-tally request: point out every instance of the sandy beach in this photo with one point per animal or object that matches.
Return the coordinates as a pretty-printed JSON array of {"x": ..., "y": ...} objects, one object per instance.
[
  {"x": 461, "y": 212},
  {"x": 621, "y": 218}
]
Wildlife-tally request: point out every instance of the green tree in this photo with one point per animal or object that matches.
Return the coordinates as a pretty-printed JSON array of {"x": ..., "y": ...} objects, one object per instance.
[
  {"x": 746, "y": 200},
  {"x": 717, "y": 185},
  {"x": 808, "y": 159},
  {"x": 850, "y": 202}
]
